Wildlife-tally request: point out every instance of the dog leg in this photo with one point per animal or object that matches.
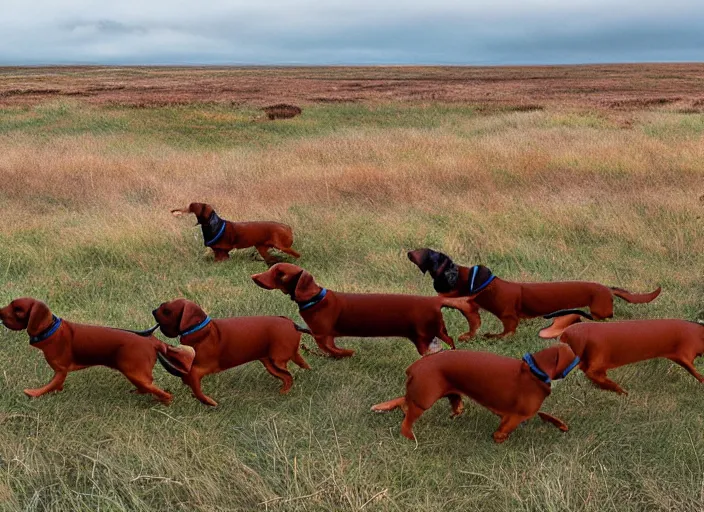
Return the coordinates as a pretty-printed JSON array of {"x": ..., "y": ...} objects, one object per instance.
[
  {"x": 264, "y": 253},
  {"x": 221, "y": 255},
  {"x": 280, "y": 372},
  {"x": 509, "y": 423},
  {"x": 298, "y": 359},
  {"x": 599, "y": 378},
  {"x": 327, "y": 345},
  {"x": 474, "y": 321},
  {"x": 55, "y": 384},
  {"x": 145, "y": 384},
  {"x": 510, "y": 324},
  {"x": 687, "y": 366},
  {"x": 192, "y": 380},
  {"x": 396, "y": 403},
  {"x": 555, "y": 421},
  {"x": 289, "y": 251},
  {"x": 456, "y": 404},
  {"x": 413, "y": 412},
  {"x": 446, "y": 337}
]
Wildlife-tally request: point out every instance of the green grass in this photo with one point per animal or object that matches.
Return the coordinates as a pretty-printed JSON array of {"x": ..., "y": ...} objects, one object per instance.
[{"x": 489, "y": 189}]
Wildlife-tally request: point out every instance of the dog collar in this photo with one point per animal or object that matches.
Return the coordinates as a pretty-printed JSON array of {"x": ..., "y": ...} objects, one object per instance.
[
  {"x": 541, "y": 375},
  {"x": 570, "y": 367},
  {"x": 213, "y": 229},
  {"x": 312, "y": 302},
  {"x": 475, "y": 287},
  {"x": 55, "y": 324},
  {"x": 197, "y": 327}
]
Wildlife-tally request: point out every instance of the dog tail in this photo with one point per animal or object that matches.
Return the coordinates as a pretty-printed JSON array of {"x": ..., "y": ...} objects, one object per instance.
[
  {"x": 563, "y": 312},
  {"x": 635, "y": 298},
  {"x": 176, "y": 360},
  {"x": 563, "y": 319},
  {"x": 463, "y": 304},
  {"x": 390, "y": 405},
  {"x": 300, "y": 328},
  {"x": 303, "y": 329}
]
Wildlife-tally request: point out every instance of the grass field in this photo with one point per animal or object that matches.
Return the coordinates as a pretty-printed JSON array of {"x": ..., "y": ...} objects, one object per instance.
[{"x": 604, "y": 194}]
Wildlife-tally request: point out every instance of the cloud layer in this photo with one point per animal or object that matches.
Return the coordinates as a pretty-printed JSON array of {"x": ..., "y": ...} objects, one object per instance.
[{"x": 350, "y": 32}]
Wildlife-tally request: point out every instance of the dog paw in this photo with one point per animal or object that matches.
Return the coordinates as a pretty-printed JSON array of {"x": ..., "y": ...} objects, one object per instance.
[
  {"x": 466, "y": 336},
  {"x": 500, "y": 438},
  {"x": 208, "y": 401},
  {"x": 32, "y": 393}
]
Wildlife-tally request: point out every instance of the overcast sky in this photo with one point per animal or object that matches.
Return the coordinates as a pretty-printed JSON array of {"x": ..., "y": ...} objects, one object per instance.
[{"x": 350, "y": 31}]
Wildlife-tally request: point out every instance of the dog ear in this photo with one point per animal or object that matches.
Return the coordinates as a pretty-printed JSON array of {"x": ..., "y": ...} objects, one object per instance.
[
  {"x": 267, "y": 280},
  {"x": 191, "y": 316},
  {"x": 40, "y": 318},
  {"x": 419, "y": 257},
  {"x": 306, "y": 288},
  {"x": 547, "y": 359},
  {"x": 554, "y": 359}
]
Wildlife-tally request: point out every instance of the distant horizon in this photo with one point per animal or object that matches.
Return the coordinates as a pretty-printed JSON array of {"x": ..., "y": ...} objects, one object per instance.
[{"x": 343, "y": 65}]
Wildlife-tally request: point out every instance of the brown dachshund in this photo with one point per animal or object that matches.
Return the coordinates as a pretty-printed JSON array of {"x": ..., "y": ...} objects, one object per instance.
[
  {"x": 511, "y": 301},
  {"x": 602, "y": 347},
  {"x": 330, "y": 314},
  {"x": 69, "y": 347},
  {"x": 222, "y": 236},
  {"x": 228, "y": 342},
  {"x": 511, "y": 388}
]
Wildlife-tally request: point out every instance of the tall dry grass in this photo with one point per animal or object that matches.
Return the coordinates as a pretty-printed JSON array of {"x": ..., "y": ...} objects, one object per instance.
[{"x": 85, "y": 196}]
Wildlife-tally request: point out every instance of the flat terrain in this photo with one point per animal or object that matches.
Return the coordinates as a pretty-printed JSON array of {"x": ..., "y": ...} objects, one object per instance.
[
  {"x": 591, "y": 173},
  {"x": 622, "y": 87}
]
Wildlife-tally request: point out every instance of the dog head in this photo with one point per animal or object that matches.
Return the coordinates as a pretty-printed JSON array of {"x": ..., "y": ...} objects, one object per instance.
[
  {"x": 442, "y": 269},
  {"x": 202, "y": 211},
  {"x": 27, "y": 313},
  {"x": 556, "y": 360},
  {"x": 289, "y": 279},
  {"x": 178, "y": 316},
  {"x": 428, "y": 260}
]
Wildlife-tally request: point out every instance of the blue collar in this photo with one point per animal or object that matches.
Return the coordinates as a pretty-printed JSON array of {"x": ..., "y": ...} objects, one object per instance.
[
  {"x": 312, "y": 302},
  {"x": 197, "y": 327},
  {"x": 474, "y": 290},
  {"x": 217, "y": 236},
  {"x": 51, "y": 330},
  {"x": 541, "y": 375},
  {"x": 570, "y": 367}
]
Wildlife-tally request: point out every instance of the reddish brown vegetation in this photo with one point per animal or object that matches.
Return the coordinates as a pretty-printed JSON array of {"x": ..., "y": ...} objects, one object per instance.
[
  {"x": 281, "y": 111},
  {"x": 622, "y": 87}
]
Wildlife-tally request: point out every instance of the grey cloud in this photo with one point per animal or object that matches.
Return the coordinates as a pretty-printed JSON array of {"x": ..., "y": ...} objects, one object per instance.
[{"x": 366, "y": 31}]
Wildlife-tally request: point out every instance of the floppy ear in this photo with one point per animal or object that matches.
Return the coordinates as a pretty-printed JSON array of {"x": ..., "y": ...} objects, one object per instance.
[
  {"x": 266, "y": 280},
  {"x": 306, "y": 288},
  {"x": 191, "y": 316},
  {"x": 548, "y": 360},
  {"x": 419, "y": 257},
  {"x": 40, "y": 318}
]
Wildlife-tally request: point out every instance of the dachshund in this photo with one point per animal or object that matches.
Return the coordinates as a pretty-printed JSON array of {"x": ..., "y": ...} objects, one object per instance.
[
  {"x": 511, "y": 388},
  {"x": 222, "y": 236},
  {"x": 330, "y": 314},
  {"x": 69, "y": 346},
  {"x": 512, "y": 301},
  {"x": 228, "y": 342}
]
